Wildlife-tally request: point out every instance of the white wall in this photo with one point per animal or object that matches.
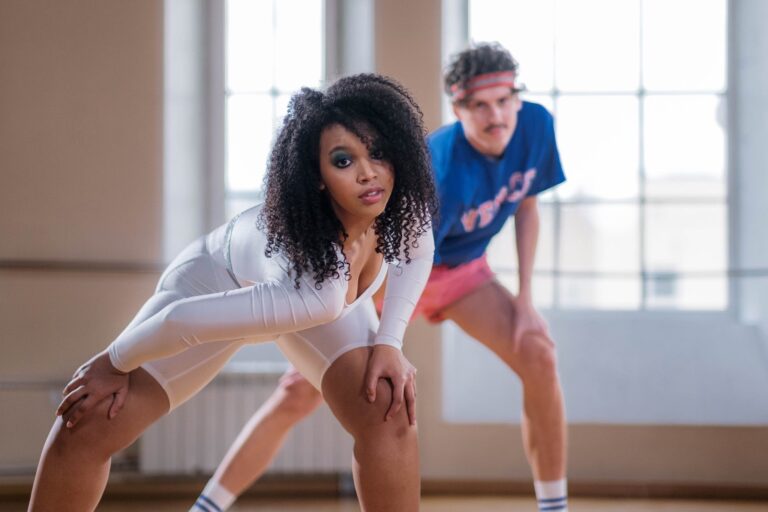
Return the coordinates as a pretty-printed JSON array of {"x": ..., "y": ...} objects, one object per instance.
[
  {"x": 749, "y": 130},
  {"x": 622, "y": 368}
]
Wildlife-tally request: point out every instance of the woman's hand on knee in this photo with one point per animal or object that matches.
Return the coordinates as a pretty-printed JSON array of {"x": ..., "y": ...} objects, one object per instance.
[
  {"x": 93, "y": 382},
  {"x": 389, "y": 363}
]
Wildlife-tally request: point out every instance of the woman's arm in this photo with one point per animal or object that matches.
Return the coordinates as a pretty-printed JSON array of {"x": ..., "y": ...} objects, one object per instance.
[
  {"x": 405, "y": 282},
  {"x": 264, "y": 309}
]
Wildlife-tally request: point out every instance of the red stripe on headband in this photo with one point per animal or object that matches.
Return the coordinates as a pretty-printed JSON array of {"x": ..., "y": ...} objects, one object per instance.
[{"x": 484, "y": 81}]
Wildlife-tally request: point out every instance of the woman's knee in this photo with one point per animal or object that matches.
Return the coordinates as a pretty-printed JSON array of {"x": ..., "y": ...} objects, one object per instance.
[
  {"x": 90, "y": 439},
  {"x": 344, "y": 391},
  {"x": 369, "y": 418},
  {"x": 98, "y": 437}
]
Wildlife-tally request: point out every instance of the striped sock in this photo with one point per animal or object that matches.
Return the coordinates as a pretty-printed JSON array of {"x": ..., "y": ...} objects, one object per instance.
[
  {"x": 552, "y": 496},
  {"x": 214, "y": 498}
]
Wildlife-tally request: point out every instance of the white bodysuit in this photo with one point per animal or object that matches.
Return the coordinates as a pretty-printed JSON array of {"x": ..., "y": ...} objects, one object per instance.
[{"x": 222, "y": 292}]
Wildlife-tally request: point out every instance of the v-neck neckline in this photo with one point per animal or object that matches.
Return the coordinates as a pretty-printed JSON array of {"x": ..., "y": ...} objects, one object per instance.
[{"x": 371, "y": 287}]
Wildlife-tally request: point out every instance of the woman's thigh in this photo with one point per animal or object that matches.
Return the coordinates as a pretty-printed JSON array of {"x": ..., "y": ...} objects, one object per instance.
[
  {"x": 313, "y": 351},
  {"x": 192, "y": 273}
]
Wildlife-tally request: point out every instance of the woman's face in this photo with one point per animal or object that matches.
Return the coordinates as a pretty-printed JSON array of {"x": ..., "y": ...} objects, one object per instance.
[{"x": 359, "y": 180}]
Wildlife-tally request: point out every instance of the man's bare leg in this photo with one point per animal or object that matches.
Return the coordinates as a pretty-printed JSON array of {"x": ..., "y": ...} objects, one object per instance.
[
  {"x": 260, "y": 439},
  {"x": 487, "y": 314}
]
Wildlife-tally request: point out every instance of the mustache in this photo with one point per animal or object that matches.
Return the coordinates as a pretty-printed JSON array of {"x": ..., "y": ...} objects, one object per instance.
[{"x": 490, "y": 127}]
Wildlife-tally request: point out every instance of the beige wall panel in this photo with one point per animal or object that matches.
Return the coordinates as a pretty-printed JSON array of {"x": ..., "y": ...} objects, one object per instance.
[
  {"x": 53, "y": 321},
  {"x": 670, "y": 454},
  {"x": 408, "y": 49},
  {"x": 24, "y": 431},
  {"x": 81, "y": 129}
]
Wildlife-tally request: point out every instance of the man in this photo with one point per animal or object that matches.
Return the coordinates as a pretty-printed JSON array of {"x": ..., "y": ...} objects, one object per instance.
[{"x": 489, "y": 165}]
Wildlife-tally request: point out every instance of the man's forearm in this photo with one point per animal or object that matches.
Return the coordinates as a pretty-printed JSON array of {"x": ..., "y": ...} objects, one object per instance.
[{"x": 526, "y": 238}]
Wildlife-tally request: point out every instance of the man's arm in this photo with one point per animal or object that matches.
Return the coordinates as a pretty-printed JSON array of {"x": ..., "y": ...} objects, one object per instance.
[{"x": 526, "y": 238}]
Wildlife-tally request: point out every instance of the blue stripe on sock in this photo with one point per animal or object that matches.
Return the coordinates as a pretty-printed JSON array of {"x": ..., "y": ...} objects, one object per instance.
[
  {"x": 208, "y": 501},
  {"x": 556, "y": 507},
  {"x": 550, "y": 500},
  {"x": 201, "y": 506}
]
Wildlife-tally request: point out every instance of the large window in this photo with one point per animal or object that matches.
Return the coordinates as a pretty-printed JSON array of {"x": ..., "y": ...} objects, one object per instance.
[
  {"x": 638, "y": 88},
  {"x": 273, "y": 48}
]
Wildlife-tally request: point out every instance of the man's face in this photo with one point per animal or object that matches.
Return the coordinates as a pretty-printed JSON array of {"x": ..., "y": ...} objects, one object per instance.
[{"x": 489, "y": 118}]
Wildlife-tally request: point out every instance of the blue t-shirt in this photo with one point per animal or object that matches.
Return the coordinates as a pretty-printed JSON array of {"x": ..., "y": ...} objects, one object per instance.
[{"x": 479, "y": 193}]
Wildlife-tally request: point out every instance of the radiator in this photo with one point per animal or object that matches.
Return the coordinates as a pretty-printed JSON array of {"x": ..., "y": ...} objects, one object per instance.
[{"x": 194, "y": 437}]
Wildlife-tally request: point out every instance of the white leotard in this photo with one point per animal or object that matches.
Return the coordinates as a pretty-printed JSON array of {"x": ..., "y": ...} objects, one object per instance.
[{"x": 222, "y": 292}]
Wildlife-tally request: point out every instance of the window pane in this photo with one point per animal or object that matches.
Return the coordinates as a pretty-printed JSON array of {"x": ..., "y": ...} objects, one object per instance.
[
  {"x": 250, "y": 47},
  {"x": 685, "y": 146},
  {"x": 502, "y": 256},
  {"x": 299, "y": 56},
  {"x": 548, "y": 196},
  {"x": 600, "y": 292},
  {"x": 281, "y": 108},
  {"x": 674, "y": 292},
  {"x": 525, "y": 28},
  {"x": 684, "y": 45},
  {"x": 543, "y": 287},
  {"x": 502, "y": 251},
  {"x": 600, "y": 238},
  {"x": 685, "y": 238},
  {"x": 598, "y": 140},
  {"x": 249, "y": 135},
  {"x": 237, "y": 205},
  {"x": 597, "y": 45}
]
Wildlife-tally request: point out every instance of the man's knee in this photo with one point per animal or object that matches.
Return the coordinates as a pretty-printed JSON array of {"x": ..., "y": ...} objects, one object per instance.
[
  {"x": 537, "y": 357},
  {"x": 298, "y": 397}
]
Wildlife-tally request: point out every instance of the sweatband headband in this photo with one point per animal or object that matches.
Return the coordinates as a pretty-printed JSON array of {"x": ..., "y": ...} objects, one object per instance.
[{"x": 484, "y": 81}]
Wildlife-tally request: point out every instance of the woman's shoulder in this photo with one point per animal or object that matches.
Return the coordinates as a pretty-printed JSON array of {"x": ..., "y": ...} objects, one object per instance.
[
  {"x": 246, "y": 246},
  {"x": 247, "y": 254}
]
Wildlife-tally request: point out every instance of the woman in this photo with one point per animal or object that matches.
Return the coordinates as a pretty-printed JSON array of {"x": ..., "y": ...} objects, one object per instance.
[{"x": 348, "y": 197}]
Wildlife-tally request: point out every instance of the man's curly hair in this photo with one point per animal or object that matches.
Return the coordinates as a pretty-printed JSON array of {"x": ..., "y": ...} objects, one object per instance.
[
  {"x": 479, "y": 59},
  {"x": 298, "y": 217}
]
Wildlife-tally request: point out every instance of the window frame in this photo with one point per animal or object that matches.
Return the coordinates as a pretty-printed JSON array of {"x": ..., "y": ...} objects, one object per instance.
[{"x": 456, "y": 36}]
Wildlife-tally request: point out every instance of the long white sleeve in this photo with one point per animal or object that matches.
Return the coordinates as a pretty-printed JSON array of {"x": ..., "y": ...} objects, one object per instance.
[
  {"x": 405, "y": 282},
  {"x": 263, "y": 310}
]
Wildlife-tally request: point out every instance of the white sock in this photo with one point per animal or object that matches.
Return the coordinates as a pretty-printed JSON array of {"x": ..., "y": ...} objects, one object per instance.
[
  {"x": 552, "y": 496},
  {"x": 214, "y": 498}
]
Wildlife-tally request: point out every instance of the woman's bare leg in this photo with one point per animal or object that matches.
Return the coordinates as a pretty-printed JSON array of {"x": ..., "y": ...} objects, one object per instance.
[
  {"x": 74, "y": 465},
  {"x": 386, "y": 465}
]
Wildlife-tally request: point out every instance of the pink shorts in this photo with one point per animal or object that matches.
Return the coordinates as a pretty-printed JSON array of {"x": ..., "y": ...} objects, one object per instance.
[{"x": 447, "y": 285}]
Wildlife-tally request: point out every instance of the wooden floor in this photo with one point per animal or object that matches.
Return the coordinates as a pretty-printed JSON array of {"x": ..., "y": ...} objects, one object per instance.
[{"x": 437, "y": 504}]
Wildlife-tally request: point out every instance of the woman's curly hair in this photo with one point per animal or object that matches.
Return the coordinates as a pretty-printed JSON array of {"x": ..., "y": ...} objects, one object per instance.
[
  {"x": 297, "y": 216},
  {"x": 479, "y": 59}
]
